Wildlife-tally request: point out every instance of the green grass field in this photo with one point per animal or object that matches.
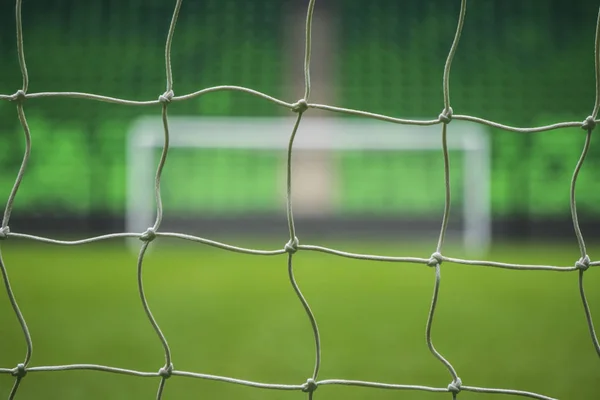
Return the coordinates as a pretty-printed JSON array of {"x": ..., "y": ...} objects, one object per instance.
[{"x": 236, "y": 315}]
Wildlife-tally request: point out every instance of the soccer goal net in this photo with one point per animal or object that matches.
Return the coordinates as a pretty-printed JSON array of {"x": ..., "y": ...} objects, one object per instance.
[{"x": 448, "y": 132}]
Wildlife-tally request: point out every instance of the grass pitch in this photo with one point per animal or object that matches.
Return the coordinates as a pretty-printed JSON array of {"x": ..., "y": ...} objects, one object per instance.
[{"x": 236, "y": 315}]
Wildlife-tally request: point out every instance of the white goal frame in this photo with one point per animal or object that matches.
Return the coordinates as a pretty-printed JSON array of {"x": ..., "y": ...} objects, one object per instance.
[{"x": 146, "y": 135}]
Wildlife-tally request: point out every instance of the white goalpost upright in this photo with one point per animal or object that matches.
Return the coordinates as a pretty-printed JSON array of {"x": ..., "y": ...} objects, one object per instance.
[{"x": 316, "y": 134}]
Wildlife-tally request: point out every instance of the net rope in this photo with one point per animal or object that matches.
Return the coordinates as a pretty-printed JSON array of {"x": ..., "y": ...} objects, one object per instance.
[{"x": 293, "y": 245}]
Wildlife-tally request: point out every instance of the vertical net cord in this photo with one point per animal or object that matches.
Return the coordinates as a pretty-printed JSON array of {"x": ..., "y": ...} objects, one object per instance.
[
  {"x": 572, "y": 202},
  {"x": 20, "y": 50},
  {"x": 588, "y": 314},
  {"x": 597, "y": 67},
  {"x": 20, "y": 373},
  {"x": 292, "y": 246},
  {"x": 451, "y": 53},
  {"x": 436, "y": 287},
  {"x": 290, "y": 215},
  {"x": 21, "y": 113},
  {"x": 307, "y": 48},
  {"x": 446, "y": 117},
  {"x": 24, "y": 328},
  {"x": 584, "y": 261},
  {"x": 166, "y": 371}
]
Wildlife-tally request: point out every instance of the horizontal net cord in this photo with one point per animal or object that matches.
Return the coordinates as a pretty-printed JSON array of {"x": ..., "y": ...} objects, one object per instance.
[
  {"x": 276, "y": 386},
  {"x": 305, "y": 247},
  {"x": 291, "y": 106},
  {"x": 293, "y": 245}
]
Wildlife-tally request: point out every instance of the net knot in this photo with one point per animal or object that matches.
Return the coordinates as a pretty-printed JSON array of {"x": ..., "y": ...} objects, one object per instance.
[
  {"x": 149, "y": 235},
  {"x": 166, "y": 97},
  {"x": 435, "y": 259},
  {"x": 4, "y": 233},
  {"x": 446, "y": 115},
  {"x": 166, "y": 371},
  {"x": 588, "y": 124},
  {"x": 583, "y": 263},
  {"x": 310, "y": 386},
  {"x": 19, "y": 371},
  {"x": 300, "y": 106},
  {"x": 18, "y": 96},
  {"x": 292, "y": 246},
  {"x": 455, "y": 385}
]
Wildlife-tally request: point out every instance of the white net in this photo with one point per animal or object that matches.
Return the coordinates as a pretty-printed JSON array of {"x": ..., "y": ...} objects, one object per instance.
[{"x": 293, "y": 245}]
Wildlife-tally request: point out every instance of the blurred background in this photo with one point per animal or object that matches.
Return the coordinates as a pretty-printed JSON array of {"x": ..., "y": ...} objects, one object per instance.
[{"x": 519, "y": 63}]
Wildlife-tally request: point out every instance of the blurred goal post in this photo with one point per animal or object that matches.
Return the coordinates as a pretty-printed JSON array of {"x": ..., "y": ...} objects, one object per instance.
[{"x": 315, "y": 179}]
